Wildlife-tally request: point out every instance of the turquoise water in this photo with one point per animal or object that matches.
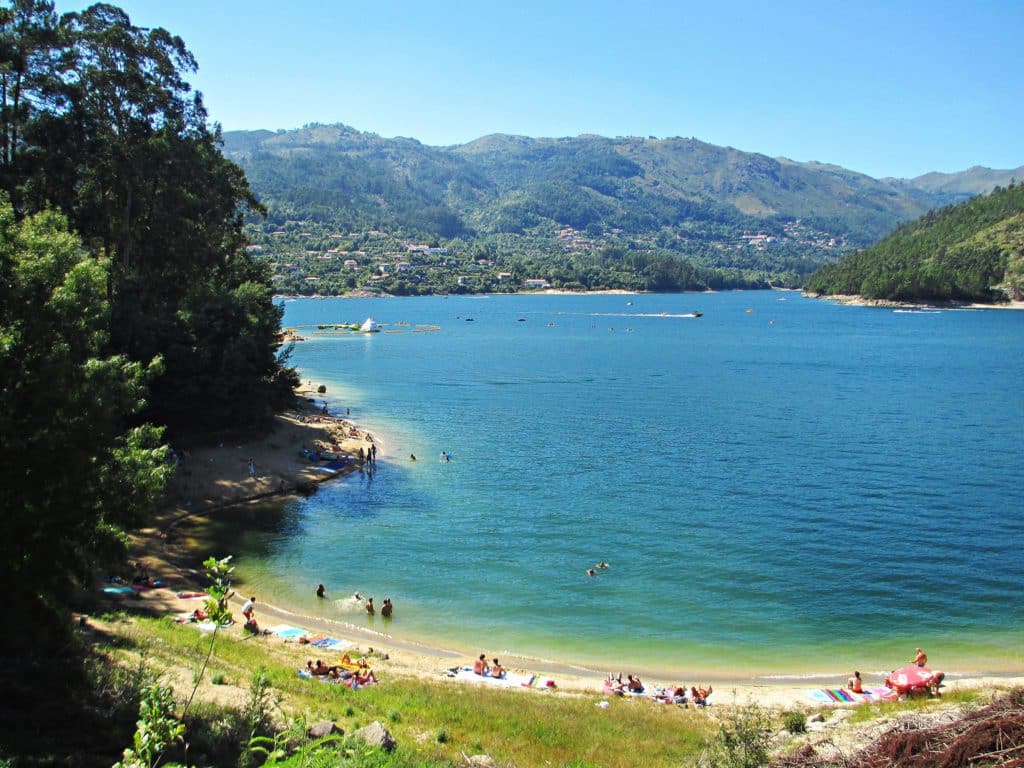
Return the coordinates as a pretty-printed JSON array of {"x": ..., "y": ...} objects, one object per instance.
[{"x": 798, "y": 489}]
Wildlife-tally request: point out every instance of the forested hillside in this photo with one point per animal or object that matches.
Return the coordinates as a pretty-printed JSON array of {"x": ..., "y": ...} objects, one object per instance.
[
  {"x": 973, "y": 251},
  {"x": 128, "y": 305},
  {"x": 689, "y": 215}
]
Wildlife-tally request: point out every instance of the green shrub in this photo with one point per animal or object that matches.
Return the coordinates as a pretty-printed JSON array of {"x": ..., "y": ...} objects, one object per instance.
[
  {"x": 743, "y": 738},
  {"x": 794, "y": 721}
]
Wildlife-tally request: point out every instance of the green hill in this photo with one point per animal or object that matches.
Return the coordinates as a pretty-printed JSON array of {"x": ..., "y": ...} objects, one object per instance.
[
  {"x": 584, "y": 212},
  {"x": 973, "y": 251},
  {"x": 509, "y": 184}
]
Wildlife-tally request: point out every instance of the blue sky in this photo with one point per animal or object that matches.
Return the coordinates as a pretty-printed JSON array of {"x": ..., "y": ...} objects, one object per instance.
[{"x": 885, "y": 88}]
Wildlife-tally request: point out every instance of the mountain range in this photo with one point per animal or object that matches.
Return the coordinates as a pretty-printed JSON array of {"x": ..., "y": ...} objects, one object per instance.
[{"x": 501, "y": 183}]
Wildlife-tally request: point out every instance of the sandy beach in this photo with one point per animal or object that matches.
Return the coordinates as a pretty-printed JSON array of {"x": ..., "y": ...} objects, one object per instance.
[{"x": 215, "y": 477}]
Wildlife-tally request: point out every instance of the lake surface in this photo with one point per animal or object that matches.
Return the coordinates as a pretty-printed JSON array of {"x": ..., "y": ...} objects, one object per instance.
[{"x": 782, "y": 486}]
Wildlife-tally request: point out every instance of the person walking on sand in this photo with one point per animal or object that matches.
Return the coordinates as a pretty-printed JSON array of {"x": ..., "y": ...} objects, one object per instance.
[
  {"x": 921, "y": 659},
  {"x": 249, "y": 608}
]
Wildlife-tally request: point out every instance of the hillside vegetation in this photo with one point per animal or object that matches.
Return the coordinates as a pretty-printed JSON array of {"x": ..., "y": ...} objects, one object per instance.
[
  {"x": 973, "y": 251},
  {"x": 581, "y": 213}
]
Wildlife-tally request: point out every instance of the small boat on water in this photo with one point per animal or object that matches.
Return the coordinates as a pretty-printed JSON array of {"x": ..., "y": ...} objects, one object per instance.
[{"x": 369, "y": 326}]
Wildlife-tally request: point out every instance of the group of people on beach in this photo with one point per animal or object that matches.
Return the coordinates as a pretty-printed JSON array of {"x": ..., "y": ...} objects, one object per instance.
[
  {"x": 354, "y": 678},
  {"x": 670, "y": 694},
  {"x": 926, "y": 683},
  {"x": 482, "y": 668}
]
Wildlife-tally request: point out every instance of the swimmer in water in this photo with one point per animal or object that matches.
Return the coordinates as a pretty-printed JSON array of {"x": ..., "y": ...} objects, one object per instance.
[
  {"x": 591, "y": 572},
  {"x": 602, "y": 564}
]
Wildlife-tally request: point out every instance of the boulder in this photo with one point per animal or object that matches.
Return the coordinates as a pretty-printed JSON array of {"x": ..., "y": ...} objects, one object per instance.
[
  {"x": 323, "y": 728},
  {"x": 480, "y": 761},
  {"x": 376, "y": 735}
]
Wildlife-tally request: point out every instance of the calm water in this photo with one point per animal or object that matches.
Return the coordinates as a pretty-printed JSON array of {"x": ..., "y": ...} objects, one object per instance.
[{"x": 782, "y": 486}]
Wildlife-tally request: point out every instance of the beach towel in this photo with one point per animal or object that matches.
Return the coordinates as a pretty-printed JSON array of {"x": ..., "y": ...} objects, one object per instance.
[
  {"x": 333, "y": 644},
  {"x": 119, "y": 590},
  {"x": 191, "y": 595},
  {"x": 336, "y": 464},
  {"x": 844, "y": 695},
  {"x": 510, "y": 680},
  {"x": 286, "y": 631}
]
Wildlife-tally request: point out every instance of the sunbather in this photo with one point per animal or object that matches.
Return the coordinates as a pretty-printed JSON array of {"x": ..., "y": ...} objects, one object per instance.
[
  {"x": 634, "y": 685},
  {"x": 855, "y": 684},
  {"x": 497, "y": 670},
  {"x": 360, "y": 679},
  {"x": 700, "y": 695},
  {"x": 480, "y": 666}
]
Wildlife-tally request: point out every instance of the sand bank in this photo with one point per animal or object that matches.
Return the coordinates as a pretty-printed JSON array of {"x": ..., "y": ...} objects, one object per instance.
[{"x": 215, "y": 477}]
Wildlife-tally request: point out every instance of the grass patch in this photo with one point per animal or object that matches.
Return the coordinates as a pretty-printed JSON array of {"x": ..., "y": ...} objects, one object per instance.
[
  {"x": 525, "y": 728},
  {"x": 918, "y": 704}
]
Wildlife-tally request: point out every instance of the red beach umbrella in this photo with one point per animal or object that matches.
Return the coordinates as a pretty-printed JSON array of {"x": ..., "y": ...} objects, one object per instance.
[{"x": 907, "y": 678}]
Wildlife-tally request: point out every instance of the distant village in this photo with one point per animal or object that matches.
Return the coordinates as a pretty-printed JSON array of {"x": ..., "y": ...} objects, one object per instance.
[{"x": 375, "y": 261}]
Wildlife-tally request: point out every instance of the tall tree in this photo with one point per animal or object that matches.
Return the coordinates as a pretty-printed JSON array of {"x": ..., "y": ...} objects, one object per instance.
[
  {"x": 118, "y": 140},
  {"x": 72, "y": 477}
]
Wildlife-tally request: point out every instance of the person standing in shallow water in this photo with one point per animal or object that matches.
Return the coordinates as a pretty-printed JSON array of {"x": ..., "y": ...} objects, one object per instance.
[
  {"x": 385, "y": 609},
  {"x": 369, "y": 606},
  {"x": 921, "y": 659},
  {"x": 320, "y": 591}
]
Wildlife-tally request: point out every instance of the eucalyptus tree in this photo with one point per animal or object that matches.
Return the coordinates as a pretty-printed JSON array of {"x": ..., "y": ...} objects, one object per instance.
[{"x": 101, "y": 122}]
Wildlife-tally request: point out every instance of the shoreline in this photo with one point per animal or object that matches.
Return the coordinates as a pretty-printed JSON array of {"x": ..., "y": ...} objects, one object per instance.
[
  {"x": 856, "y": 300},
  {"x": 224, "y": 482}
]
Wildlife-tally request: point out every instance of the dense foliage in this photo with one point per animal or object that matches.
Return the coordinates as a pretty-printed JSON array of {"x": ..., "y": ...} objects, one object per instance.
[
  {"x": 973, "y": 251},
  {"x": 690, "y": 214},
  {"x": 151, "y": 313},
  {"x": 97, "y": 120},
  {"x": 73, "y": 476}
]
